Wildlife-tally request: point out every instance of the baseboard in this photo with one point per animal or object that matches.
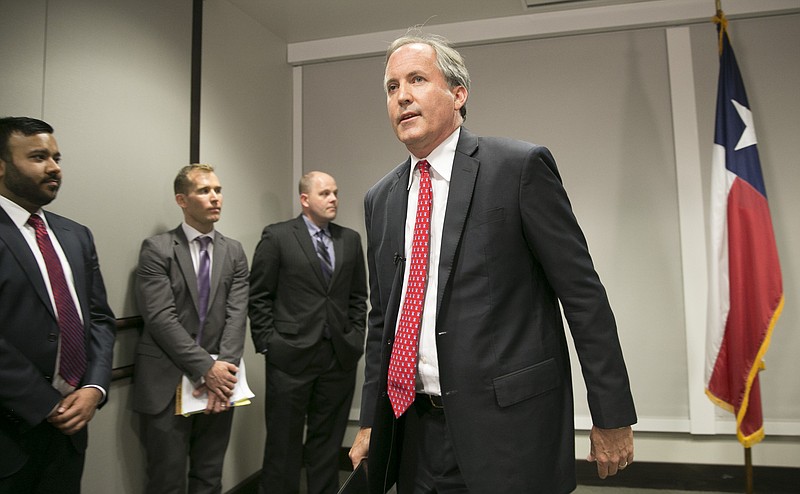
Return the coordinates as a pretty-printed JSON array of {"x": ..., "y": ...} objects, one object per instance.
[
  {"x": 681, "y": 476},
  {"x": 650, "y": 475}
]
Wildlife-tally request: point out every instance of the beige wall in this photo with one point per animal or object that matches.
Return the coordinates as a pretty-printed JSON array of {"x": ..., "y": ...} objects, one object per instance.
[
  {"x": 113, "y": 78},
  {"x": 604, "y": 104}
]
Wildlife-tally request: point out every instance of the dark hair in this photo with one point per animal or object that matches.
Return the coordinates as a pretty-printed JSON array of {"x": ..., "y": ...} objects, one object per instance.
[
  {"x": 19, "y": 125},
  {"x": 182, "y": 182}
]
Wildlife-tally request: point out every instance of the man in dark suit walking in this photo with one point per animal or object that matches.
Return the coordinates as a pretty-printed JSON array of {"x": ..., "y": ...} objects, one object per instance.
[
  {"x": 307, "y": 316},
  {"x": 467, "y": 384},
  {"x": 191, "y": 288},
  {"x": 56, "y": 329}
]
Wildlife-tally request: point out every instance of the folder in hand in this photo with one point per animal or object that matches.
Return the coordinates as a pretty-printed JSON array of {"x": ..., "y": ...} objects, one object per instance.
[{"x": 356, "y": 483}]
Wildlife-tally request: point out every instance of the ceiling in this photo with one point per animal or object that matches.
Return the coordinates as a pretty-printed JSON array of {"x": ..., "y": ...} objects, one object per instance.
[{"x": 305, "y": 20}]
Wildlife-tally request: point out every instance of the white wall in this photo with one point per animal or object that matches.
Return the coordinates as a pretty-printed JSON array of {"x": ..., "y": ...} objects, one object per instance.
[
  {"x": 604, "y": 99},
  {"x": 113, "y": 78},
  {"x": 114, "y": 81},
  {"x": 245, "y": 133}
]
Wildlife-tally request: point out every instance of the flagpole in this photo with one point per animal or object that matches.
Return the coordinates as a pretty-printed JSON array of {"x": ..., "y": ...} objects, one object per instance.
[
  {"x": 748, "y": 468},
  {"x": 748, "y": 454}
]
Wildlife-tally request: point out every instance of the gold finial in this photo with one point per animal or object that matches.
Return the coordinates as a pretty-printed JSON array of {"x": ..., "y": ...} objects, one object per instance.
[{"x": 723, "y": 23}]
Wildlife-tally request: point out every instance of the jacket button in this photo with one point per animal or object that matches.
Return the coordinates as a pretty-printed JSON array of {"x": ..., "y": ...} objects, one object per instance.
[{"x": 52, "y": 337}]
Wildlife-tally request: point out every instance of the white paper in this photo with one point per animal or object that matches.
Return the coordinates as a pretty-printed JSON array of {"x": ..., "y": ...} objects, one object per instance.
[{"x": 190, "y": 404}]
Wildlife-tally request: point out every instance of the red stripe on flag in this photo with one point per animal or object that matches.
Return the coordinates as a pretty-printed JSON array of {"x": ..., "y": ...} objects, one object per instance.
[{"x": 756, "y": 299}]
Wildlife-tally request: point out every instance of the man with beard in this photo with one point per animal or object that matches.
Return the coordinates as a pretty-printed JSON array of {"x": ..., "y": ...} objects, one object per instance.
[{"x": 57, "y": 331}]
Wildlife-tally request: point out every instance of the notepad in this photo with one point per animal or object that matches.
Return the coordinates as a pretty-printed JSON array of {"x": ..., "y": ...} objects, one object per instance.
[{"x": 187, "y": 404}]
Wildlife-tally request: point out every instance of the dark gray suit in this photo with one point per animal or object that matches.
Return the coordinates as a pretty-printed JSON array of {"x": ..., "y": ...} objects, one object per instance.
[
  {"x": 166, "y": 292},
  {"x": 29, "y": 334},
  {"x": 511, "y": 250},
  {"x": 314, "y": 335}
]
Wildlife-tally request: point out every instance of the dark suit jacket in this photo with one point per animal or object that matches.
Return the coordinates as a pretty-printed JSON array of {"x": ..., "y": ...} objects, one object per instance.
[
  {"x": 166, "y": 293},
  {"x": 290, "y": 302},
  {"x": 511, "y": 250},
  {"x": 29, "y": 332}
]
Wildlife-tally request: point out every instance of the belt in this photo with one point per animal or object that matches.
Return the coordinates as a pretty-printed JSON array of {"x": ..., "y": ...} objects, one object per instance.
[{"x": 429, "y": 403}]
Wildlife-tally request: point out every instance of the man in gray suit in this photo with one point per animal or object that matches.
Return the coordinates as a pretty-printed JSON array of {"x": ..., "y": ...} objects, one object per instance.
[
  {"x": 307, "y": 316},
  {"x": 189, "y": 319}
]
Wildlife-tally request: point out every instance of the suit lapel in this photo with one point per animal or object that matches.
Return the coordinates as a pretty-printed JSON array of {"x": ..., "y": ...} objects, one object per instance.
[
  {"x": 309, "y": 250},
  {"x": 220, "y": 253},
  {"x": 180, "y": 247},
  {"x": 338, "y": 250},
  {"x": 397, "y": 209},
  {"x": 462, "y": 186},
  {"x": 19, "y": 248},
  {"x": 72, "y": 250}
]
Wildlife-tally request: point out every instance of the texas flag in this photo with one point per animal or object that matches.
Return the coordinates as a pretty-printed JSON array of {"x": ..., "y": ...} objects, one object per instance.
[{"x": 745, "y": 286}]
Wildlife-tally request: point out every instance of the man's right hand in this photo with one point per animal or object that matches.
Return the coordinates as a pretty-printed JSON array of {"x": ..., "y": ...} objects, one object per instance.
[
  {"x": 360, "y": 447},
  {"x": 221, "y": 378}
]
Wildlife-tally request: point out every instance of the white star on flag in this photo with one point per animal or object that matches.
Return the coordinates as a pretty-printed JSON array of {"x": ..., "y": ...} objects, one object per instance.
[{"x": 748, "y": 137}]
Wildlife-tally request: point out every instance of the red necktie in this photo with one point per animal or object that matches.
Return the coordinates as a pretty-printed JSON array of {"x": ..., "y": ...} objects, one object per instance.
[
  {"x": 73, "y": 348},
  {"x": 403, "y": 362}
]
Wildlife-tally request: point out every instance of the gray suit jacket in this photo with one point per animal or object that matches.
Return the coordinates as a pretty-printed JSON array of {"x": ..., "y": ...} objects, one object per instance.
[
  {"x": 29, "y": 332},
  {"x": 511, "y": 251},
  {"x": 290, "y": 302},
  {"x": 166, "y": 292}
]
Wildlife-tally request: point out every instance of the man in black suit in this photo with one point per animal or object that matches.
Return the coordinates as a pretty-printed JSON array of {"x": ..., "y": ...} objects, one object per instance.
[
  {"x": 56, "y": 328},
  {"x": 307, "y": 316},
  {"x": 187, "y": 332},
  {"x": 488, "y": 404}
]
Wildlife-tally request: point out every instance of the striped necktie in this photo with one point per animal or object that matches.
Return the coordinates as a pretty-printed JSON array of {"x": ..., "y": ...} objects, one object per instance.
[
  {"x": 324, "y": 257},
  {"x": 73, "y": 347}
]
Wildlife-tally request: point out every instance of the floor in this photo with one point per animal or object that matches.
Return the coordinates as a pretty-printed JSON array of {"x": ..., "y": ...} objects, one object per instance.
[{"x": 586, "y": 489}]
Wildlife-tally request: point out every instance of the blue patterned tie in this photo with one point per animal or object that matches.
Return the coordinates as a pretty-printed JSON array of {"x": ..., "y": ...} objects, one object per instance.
[{"x": 324, "y": 257}]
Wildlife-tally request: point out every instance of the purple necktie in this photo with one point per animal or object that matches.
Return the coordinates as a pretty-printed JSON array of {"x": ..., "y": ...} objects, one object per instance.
[
  {"x": 73, "y": 347},
  {"x": 203, "y": 283},
  {"x": 403, "y": 361},
  {"x": 324, "y": 257}
]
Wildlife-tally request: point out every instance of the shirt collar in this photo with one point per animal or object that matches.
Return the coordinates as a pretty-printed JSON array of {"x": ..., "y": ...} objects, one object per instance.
[
  {"x": 313, "y": 228},
  {"x": 17, "y": 213},
  {"x": 440, "y": 159},
  {"x": 192, "y": 233}
]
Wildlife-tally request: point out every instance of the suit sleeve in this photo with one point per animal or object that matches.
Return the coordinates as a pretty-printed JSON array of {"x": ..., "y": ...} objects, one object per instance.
[
  {"x": 375, "y": 324},
  {"x": 557, "y": 242},
  {"x": 263, "y": 285},
  {"x": 158, "y": 307},
  {"x": 25, "y": 395},
  {"x": 102, "y": 325},
  {"x": 232, "y": 342}
]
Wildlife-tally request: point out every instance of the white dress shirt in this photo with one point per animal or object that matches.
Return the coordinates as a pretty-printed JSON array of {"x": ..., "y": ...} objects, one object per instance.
[
  {"x": 19, "y": 216},
  {"x": 441, "y": 167}
]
